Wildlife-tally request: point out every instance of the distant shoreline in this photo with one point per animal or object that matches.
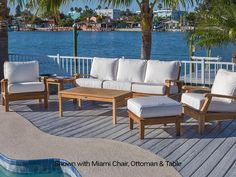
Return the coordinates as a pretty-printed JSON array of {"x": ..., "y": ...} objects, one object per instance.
[{"x": 117, "y": 30}]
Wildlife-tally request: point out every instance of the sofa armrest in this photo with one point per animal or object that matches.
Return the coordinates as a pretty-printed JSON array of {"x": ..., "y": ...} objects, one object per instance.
[
  {"x": 44, "y": 80},
  {"x": 77, "y": 76},
  {"x": 4, "y": 85},
  {"x": 189, "y": 89}
]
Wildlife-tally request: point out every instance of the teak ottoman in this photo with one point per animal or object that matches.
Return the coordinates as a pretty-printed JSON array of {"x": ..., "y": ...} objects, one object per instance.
[{"x": 154, "y": 110}]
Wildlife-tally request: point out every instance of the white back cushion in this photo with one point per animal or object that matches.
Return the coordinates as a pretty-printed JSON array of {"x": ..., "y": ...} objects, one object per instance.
[
  {"x": 130, "y": 70},
  {"x": 17, "y": 72},
  {"x": 225, "y": 84},
  {"x": 159, "y": 71},
  {"x": 104, "y": 68}
]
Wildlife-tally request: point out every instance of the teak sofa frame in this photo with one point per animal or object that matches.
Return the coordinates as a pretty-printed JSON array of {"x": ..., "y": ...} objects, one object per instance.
[
  {"x": 203, "y": 115},
  {"x": 7, "y": 97}
]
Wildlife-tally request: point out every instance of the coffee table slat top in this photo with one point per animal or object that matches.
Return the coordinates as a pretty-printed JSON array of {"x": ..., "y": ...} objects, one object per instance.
[{"x": 96, "y": 92}]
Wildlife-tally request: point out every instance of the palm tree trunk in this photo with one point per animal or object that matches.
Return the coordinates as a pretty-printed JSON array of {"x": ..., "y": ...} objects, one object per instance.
[
  {"x": 3, "y": 35},
  {"x": 146, "y": 26},
  {"x": 208, "y": 51}
]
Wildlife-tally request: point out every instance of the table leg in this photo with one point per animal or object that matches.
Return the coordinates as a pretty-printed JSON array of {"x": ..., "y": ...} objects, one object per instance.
[
  {"x": 141, "y": 130},
  {"x": 3, "y": 102},
  {"x": 114, "y": 116},
  {"x": 6, "y": 103},
  {"x": 60, "y": 86},
  {"x": 80, "y": 104},
  {"x": 47, "y": 85},
  {"x": 60, "y": 106},
  {"x": 178, "y": 127},
  {"x": 131, "y": 123}
]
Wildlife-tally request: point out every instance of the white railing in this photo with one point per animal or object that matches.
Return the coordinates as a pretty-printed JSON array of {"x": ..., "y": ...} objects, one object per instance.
[
  {"x": 192, "y": 72},
  {"x": 71, "y": 65},
  {"x": 203, "y": 72}
]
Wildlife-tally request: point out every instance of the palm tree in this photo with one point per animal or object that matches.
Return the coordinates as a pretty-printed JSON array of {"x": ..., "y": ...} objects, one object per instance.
[
  {"x": 86, "y": 7},
  {"x": 146, "y": 12},
  {"x": 3, "y": 35},
  {"x": 159, "y": 6},
  {"x": 215, "y": 24},
  {"x": 99, "y": 7}
]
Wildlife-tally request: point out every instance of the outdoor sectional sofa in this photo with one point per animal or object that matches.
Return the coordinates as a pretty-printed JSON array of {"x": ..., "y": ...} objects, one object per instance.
[{"x": 141, "y": 77}]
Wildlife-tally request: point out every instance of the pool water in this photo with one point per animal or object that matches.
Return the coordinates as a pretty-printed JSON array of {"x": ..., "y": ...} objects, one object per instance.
[
  {"x": 36, "y": 168},
  {"x": 6, "y": 173}
]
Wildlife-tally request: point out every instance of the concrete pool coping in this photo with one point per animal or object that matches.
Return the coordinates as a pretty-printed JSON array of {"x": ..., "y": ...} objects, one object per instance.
[{"x": 22, "y": 140}]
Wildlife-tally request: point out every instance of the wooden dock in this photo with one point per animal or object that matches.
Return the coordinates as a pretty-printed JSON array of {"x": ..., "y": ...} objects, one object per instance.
[{"x": 213, "y": 154}]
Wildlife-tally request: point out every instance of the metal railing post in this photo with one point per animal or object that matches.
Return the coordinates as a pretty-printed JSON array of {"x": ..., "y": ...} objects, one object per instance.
[
  {"x": 203, "y": 72},
  {"x": 58, "y": 58}
]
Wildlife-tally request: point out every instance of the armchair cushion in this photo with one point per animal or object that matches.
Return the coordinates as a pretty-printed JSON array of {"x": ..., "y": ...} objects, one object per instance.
[
  {"x": 25, "y": 87},
  {"x": 196, "y": 101},
  {"x": 117, "y": 85},
  {"x": 131, "y": 70},
  {"x": 225, "y": 84},
  {"x": 159, "y": 71},
  {"x": 89, "y": 82},
  {"x": 17, "y": 72},
  {"x": 153, "y": 88},
  {"x": 104, "y": 68}
]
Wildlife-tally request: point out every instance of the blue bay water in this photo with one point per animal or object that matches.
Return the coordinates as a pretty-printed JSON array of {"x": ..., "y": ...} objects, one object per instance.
[{"x": 166, "y": 45}]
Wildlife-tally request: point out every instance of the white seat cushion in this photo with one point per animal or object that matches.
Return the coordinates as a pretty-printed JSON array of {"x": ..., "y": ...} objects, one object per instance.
[
  {"x": 25, "y": 87},
  {"x": 104, "y": 68},
  {"x": 196, "y": 101},
  {"x": 131, "y": 70},
  {"x": 89, "y": 82},
  {"x": 159, "y": 71},
  {"x": 225, "y": 84},
  {"x": 21, "y": 71},
  {"x": 154, "y": 106},
  {"x": 116, "y": 85},
  {"x": 152, "y": 88}
]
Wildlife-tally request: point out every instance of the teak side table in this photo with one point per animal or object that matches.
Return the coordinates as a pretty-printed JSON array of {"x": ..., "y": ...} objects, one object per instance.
[{"x": 60, "y": 81}]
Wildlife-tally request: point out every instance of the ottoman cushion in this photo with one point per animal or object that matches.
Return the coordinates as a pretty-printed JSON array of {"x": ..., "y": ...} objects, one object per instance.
[{"x": 154, "y": 106}]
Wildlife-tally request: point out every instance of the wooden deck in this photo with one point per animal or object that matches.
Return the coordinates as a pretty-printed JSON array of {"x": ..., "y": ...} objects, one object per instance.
[{"x": 213, "y": 154}]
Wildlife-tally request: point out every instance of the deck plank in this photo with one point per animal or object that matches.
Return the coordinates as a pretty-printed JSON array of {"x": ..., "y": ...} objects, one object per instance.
[
  {"x": 204, "y": 154},
  {"x": 210, "y": 154},
  {"x": 215, "y": 157},
  {"x": 232, "y": 171},
  {"x": 224, "y": 165}
]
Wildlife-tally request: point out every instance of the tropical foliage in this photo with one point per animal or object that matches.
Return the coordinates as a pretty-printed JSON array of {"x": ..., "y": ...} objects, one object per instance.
[{"x": 215, "y": 24}]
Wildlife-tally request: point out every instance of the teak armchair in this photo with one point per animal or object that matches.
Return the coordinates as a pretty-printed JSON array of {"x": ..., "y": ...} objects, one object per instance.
[
  {"x": 22, "y": 82},
  {"x": 218, "y": 105}
]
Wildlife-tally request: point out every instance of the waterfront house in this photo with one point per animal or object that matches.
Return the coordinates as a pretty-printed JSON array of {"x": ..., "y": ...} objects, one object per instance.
[{"x": 114, "y": 14}]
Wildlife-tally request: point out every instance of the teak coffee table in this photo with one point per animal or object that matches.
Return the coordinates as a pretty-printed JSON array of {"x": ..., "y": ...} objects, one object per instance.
[{"x": 116, "y": 97}]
